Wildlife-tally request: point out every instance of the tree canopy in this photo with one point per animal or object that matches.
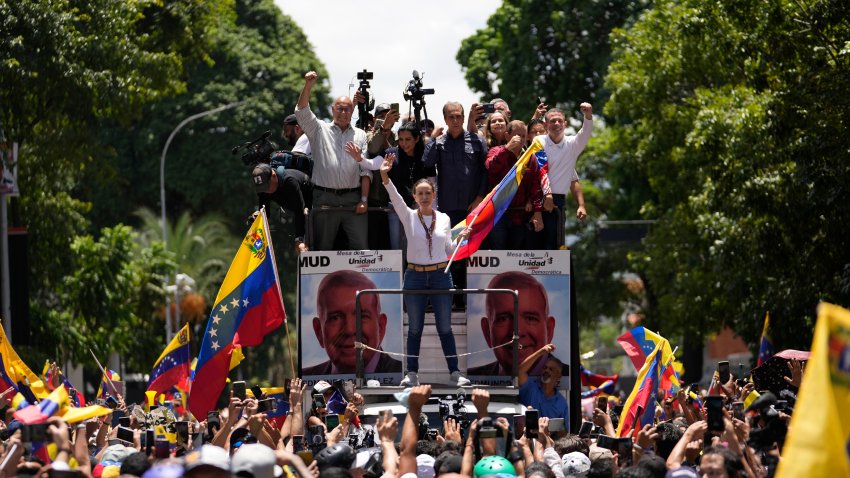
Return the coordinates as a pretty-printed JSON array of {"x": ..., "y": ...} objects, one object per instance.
[{"x": 725, "y": 125}]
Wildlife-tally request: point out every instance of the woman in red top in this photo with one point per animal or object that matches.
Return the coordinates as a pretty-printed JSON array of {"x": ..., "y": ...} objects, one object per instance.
[{"x": 513, "y": 230}]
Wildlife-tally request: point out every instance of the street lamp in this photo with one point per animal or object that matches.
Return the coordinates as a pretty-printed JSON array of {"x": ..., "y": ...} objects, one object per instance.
[{"x": 162, "y": 200}]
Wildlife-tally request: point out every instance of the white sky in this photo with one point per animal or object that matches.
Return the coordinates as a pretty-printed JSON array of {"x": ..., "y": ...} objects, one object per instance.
[{"x": 433, "y": 32}]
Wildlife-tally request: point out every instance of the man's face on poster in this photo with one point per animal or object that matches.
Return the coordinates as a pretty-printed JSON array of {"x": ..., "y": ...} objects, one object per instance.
[
  {"x": 336, "y": 328},
  {"x": 536, "y": 328}
]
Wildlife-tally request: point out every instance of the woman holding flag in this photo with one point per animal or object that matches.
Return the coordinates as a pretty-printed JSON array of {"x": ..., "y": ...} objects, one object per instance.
[{"x": 429, "y": 245}]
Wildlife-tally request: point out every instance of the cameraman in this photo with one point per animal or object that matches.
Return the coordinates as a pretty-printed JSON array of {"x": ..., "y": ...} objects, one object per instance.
[
  {"x": 295, "y": 137},
  {"x": 289, "y": 188}
]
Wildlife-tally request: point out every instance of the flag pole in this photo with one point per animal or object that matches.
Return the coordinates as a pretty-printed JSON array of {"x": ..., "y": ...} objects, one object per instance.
[
  {"x": 457, "y": 247},
  {"x": 280, "y": 293},
  {"x": 108, "y": 378}
]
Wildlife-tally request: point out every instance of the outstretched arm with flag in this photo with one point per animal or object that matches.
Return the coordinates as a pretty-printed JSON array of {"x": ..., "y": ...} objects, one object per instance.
[
  {"x": 488, "y": 212},
  {"x": 248, "y": 306}
]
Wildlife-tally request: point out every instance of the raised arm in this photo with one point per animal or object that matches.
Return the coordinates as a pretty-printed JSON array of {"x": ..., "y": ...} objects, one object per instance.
[
  {"x": 409, "y": 433},
  {"x": 526, "y": 364}
]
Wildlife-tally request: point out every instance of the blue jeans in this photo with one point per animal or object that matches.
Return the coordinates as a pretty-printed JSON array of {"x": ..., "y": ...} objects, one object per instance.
[
  {"x": 442, "y": 304},
  {"x": 395, "y": 228}
]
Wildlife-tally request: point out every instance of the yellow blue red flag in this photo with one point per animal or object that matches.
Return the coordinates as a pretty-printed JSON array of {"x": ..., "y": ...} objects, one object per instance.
[
  {"x": 639, "y": 409},
  {"x": 639, "y": 342},
  {"x": 491, "y": 208},
  {"x": 13, "y": 371},
  {"x": 818, "y": 441},
  {"x": 248, "y": 306},
  {"x": 172, "y": 367}
]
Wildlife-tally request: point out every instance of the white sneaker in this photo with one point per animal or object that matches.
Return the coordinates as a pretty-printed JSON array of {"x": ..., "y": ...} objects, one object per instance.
[
  {"x": 460, "y": 379},
  {"x": 411, "y": 380}
]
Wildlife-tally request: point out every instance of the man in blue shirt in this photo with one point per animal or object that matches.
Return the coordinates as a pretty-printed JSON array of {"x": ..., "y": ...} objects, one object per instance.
[
  {"x": 461, "y": 176},
  {"x": 542, "y": 393}
]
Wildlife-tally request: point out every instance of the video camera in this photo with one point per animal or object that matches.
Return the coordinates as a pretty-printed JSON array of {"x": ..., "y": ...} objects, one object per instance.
[
  {"x": 364, "y": 108},
  {"x": 364, "y": 438},
  {"x": 257, "y": 151},
  {"x": 454, "y": 407},
  {"x": 415, "y": 94}
]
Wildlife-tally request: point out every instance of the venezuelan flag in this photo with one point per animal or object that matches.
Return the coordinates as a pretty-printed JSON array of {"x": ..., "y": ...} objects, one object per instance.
[
  {"x": 818, "y": 441},
  {"x": 639, "y": 343},
  {"x": 104, "y": 388},
  {"x": 490, "y": 210},
  {"x": 590, "y": 379},
  {"x": 172, "y": 366},
  {"x": 248, "y": 307},
  {"x": 13, "y": 371},
  {"x": 639, "y": 409},
  {"x": 55, "y": 403},
  {"x": 606, "y": 387},
  {"x": 766, "y": 349}
]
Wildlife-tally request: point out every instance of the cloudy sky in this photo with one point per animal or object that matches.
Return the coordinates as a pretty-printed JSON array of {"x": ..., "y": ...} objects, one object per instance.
[{"x": 404, "y": 36}]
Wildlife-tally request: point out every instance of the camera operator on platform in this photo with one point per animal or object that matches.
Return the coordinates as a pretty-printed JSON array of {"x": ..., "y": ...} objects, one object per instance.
[
  {"x": 295, "y": 137},
  {"x": 338, "y": 183},
  {"x": 290, "y": 188}
]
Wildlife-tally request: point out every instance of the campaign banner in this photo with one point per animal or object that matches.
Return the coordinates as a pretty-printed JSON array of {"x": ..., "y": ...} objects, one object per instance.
[
  {"x": 328, "y": 284},
  {"x": 542, "y": 279}
]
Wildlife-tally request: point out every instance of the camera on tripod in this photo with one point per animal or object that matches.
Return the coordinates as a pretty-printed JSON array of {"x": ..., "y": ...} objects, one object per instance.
[
  {"x": 364, "y": 108},
  {"x": 455, "y": 408},
  {"x": 415, "y": 94},
  {"x": 257, "y": 151}
]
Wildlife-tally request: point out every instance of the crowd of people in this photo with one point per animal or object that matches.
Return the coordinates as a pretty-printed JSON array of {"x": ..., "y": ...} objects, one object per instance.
[
  {"x": 463, "y": 161},
  {"x": 326, "y": 434}
]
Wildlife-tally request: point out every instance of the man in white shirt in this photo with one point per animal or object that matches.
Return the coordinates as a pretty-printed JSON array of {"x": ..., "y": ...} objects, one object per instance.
[
  {"x": 338, "y": 183},
  {"x": 562, "y": 153}
]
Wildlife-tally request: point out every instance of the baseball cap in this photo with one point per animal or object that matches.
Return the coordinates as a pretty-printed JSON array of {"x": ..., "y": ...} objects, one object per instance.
[
  {"x": 683, "y": 472},
  {"x": 425, "y": 466},
  {"x": 290, "y": 120},
  {"x": 339, "y": 454},
  {"x": 321, "y": 386},
  {"x": 116, "y": 454},
  {"x": 262, "y": 176},
  {"x": 207, "y": 455},
  {"x": 382, "y": 107},
  {"x": 576, "y": 464},
  {"x": 256, "y": 461},
  {"x": 168, "y": 470},
  {"x": 598, "y": 452}
]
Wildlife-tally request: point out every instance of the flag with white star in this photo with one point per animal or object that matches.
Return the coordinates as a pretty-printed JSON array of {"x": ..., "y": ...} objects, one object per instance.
[
  {"x": 172, "y": 366},
  {"x": 639, "y": 342},
  {"x": 248, "y": 306}
]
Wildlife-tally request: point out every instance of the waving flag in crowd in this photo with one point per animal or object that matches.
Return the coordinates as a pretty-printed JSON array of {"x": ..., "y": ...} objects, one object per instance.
[
  {"x": 590, "y": 379},
  {"x": 639, "y": 343},
  {"x": 606, "y": 387},
  {"x": 13, "y": 371},
  {"x": 50, "y": 373},
  {"x": 766, "y": 349},
  {"x": 105, "y": 389},
  {"x": 639, "y": 409},
  {"x": 172, "y": 367},
  {"x": 487, "y": 213},
  {"x": 248, "y": 307},
  {"x": 818, "y": 444}
]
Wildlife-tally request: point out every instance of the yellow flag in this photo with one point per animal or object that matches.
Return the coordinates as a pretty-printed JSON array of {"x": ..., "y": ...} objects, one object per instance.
[
  {"x": 76, "y": 415},
  {"x": 818, "y": 443},
  {"x": 236, "y": 357}
]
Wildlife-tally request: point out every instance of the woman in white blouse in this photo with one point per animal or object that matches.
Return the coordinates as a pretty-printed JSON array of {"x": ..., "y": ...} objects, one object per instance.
[{"x": 429, "y": 246}]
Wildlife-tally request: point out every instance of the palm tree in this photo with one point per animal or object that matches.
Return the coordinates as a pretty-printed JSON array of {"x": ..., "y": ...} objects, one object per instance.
[{"x": 202, "y": 248}]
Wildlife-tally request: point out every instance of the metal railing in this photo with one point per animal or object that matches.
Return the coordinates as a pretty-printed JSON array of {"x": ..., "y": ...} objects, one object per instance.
[
  {"x": 358, "y": 319},
  {"x": 560, "y": 230}
]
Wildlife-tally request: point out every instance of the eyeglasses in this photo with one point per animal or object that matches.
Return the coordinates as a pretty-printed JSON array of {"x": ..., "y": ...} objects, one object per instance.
[{"x": 346, "y": 109}]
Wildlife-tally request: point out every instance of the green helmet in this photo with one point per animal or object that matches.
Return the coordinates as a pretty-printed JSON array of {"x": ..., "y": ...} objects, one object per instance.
[{"x": 493, "y": 465}]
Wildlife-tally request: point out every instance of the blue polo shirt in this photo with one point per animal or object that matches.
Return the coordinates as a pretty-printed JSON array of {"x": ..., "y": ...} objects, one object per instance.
[{"x": 531, "y": 395}]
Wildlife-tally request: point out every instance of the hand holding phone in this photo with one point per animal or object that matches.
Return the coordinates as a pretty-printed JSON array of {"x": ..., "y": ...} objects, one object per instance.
[
  {"x": 723, "y": 369},
  {"x": 239, "y": 390},
  {"x": 531, "y": 423},
  {"x": 332, "y": 421},
  {"x": 714, "y": 409},
  {"x": 602, "y": 403}
]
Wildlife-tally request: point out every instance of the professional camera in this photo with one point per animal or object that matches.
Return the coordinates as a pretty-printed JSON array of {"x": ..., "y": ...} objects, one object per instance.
[
  {"x": 364, "y": 438},
  {"x": 454, "y": 407},
  {"x": 415, "y": 94},
  {"x": 364, "y": 108},
  {"x": 256, "y": 151},
  {"x": 414, "y": 90}
]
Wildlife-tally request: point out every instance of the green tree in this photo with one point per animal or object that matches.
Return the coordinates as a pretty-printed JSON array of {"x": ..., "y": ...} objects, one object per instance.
[
  {"x": 729, "y": 130},
  {"x": 202, "y": 248},
  {"x": 558, "y": 50},
  {"x": 105, "y": 303},
  {"x": 261, "y": 59}
]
